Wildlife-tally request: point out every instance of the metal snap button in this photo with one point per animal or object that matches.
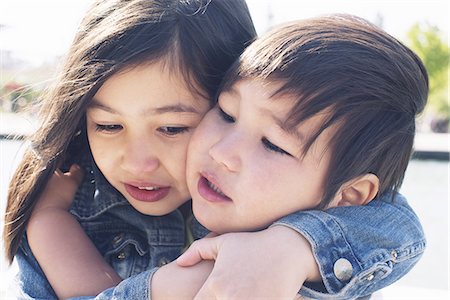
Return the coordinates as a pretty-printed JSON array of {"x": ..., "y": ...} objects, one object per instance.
[
  {"x": 343, "y": 269},
  {"x": 163, "y": 261},
  {"x": 117, "y": 239},
  {"x": 394, "y": 255},
  {"x": 370, "y": 277},
  {"x": 121, "y": 256}
]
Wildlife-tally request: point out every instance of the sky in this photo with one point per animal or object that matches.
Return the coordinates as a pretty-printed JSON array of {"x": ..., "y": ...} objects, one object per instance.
[{"x": 39, "y": 30}]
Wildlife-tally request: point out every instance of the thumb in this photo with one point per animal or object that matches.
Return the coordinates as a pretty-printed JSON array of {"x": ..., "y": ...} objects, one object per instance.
[
  {"x": 76, "y": 173},
  {"x": 203, "y": 249}
]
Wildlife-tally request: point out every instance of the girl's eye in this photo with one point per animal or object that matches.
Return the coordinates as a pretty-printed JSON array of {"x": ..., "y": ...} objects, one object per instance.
[
  {"x": 271, "y": 147},
  {"x": 172, "y": 130},
  {"x": 226, "y": 117},
  {"x": 108, "y": 128}
]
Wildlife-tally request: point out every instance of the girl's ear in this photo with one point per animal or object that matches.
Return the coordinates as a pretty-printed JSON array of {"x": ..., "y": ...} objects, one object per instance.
[{"x": 358, "y": 191}]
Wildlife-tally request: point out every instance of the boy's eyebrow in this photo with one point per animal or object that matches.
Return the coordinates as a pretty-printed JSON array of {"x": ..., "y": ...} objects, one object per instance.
[
  {"x": 173, "y": 108},
  {"x": 290, "y": 131},
  {"x": 279, "y": 122},
  {"x": 232, "y": 90}
]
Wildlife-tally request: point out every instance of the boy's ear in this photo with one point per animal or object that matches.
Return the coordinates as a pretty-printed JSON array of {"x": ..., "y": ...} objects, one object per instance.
[{"x": 358, "y": 191}]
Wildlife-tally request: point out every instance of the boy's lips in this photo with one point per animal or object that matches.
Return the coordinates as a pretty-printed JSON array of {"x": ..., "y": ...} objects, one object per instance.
[
  {"x": 147, "y": 192},
  {"x": 210, "y": 190}
]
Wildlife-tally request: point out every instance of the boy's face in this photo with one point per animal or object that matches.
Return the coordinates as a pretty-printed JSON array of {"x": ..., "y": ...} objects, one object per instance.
[
  {"x": 244, "y": 170},
  {"x": 139, "y": 125}
]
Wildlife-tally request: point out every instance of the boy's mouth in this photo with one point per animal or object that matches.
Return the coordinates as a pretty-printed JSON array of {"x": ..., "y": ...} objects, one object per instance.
[
  {"x": 210, "y": 191},
  {"x": 215, "y": 188}
]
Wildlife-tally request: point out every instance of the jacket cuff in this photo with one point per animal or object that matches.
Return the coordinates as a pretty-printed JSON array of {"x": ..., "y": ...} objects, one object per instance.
[
  {"x": 335, "y": 258},
  {"x": 136, "y": 287}
]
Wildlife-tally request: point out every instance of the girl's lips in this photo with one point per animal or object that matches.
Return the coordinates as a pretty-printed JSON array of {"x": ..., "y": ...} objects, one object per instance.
[
  {"x": 205, "y": 190},
  {"x": 147, "y": 195}
]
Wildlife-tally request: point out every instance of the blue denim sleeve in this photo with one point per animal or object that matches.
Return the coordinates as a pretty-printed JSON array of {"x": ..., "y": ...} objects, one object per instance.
[
  {"x": 135, "y": 287},
  {"x": 31, "y": 279},
  {"x": 34, "y": 285},
  {"x": 360, "y": 249}
]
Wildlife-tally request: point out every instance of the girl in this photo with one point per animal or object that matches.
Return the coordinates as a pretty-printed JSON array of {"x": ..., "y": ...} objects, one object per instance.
[
  {"x": 170, "y": 55},
  {"x": 129, "y": 45}
]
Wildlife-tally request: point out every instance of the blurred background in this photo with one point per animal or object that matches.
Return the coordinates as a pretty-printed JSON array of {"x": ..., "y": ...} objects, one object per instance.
[{"x": 35, "y": 34}]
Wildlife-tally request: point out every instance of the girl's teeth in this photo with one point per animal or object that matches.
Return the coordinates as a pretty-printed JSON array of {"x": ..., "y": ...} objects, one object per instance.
[{"x": 148, "y": 188}]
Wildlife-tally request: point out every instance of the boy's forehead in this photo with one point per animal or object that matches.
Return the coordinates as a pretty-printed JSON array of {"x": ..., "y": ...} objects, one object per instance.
[
  {"x": 265, "y": 90},
  {"x": 265, "y": 100},
  {"x": 290, "y": 110}
]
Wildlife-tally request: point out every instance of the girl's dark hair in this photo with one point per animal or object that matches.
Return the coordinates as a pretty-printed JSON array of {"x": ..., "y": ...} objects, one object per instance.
[
  {"x": 198, "y": 38},
  {"x": 359, "y": 77}
]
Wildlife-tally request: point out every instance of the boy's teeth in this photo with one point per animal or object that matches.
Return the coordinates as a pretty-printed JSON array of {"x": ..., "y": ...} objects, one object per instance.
[
  {"x": 148, "y": 188},
  {"x": 215, "y": 189}
]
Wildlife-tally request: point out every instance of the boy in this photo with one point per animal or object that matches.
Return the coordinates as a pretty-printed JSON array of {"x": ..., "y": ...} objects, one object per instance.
[{"x": 317, "y": 114}]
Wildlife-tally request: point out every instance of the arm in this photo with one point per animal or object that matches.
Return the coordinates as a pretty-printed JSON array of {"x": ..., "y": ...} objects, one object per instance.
[
  {"x": 254, "y": 265},
  {"x": 174, "y": 282},
  {"x": 34, "y": 285},
  {"x": 70, "y": 261},
  {"x": 381, "y": 242}
]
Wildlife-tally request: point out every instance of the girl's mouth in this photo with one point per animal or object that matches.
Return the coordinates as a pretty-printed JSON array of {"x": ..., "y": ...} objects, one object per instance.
[
  {"x": 210, "y": 191},
  {"x": 147, "y": 193}
]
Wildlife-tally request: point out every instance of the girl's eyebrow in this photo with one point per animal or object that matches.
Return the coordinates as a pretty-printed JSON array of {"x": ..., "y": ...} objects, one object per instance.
[
  {"x": 176, "y": 108},
  {"x": 172, "y": 108}
]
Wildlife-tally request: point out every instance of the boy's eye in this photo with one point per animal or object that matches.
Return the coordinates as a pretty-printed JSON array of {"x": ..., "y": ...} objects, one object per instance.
[
  {"x": 271, "y": 147},
  {"x": 173, "y": 130},
  {"x": 108, "y": 128},
  {"x": 226, "y": 117}
]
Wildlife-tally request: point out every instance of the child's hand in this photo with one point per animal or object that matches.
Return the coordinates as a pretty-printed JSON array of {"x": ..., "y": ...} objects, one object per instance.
[
  {"x": 60, "y": 190},
  {"x": 272, "y": 263}
]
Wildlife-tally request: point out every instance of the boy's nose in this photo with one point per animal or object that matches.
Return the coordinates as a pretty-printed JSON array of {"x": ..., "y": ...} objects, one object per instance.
[{"x": 227, "y": 152}]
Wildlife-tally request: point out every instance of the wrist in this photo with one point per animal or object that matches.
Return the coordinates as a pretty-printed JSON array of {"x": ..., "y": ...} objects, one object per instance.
[{"x": 298, "y": 251}]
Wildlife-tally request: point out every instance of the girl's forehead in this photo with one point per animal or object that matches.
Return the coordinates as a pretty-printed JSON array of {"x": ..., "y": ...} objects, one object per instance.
[
  {"x": 173, "y": 67},
  {"x": 150, "y": 84}
]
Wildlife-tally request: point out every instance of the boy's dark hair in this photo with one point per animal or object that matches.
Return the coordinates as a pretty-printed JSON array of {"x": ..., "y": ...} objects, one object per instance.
[{"x": 360, "y": 77}]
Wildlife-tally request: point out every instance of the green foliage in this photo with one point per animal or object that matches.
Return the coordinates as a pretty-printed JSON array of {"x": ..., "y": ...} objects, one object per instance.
[
  {"x": 16, "y": 96},
  {"x": 427, "y": 41}
]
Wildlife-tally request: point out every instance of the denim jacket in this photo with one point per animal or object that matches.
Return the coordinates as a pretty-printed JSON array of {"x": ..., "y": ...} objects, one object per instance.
[
  {"x": 131, "y": 242},
  {"x": 359, "y": 249}
]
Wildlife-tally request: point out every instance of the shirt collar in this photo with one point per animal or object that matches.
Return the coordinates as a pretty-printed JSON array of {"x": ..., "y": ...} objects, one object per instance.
[{"x": 95, "y": 194}]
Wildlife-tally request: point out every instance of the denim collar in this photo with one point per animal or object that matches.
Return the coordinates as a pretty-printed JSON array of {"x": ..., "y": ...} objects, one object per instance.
[{"x": 95, "y": 195}]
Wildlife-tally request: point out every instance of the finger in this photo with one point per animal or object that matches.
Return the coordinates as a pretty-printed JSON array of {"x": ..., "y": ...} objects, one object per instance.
[
  {"x": 58, "y": 172},
  {"x": 204, "y": 249},
  {"x": 76, "y": 173}
]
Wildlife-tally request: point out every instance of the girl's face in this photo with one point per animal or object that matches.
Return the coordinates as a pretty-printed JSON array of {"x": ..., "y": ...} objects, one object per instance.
[
  {"x": 139, "y": 125},
  {"x": 244, "y": 170}
]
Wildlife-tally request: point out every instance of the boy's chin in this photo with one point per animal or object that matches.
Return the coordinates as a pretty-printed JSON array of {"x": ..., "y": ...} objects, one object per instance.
[{"x": 211, "y": 225}]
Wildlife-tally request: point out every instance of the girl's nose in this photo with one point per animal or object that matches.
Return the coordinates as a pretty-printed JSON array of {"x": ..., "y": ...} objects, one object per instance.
[
  {"x": 140, "y": 157},
  {"x": 227, "y": 151}
]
